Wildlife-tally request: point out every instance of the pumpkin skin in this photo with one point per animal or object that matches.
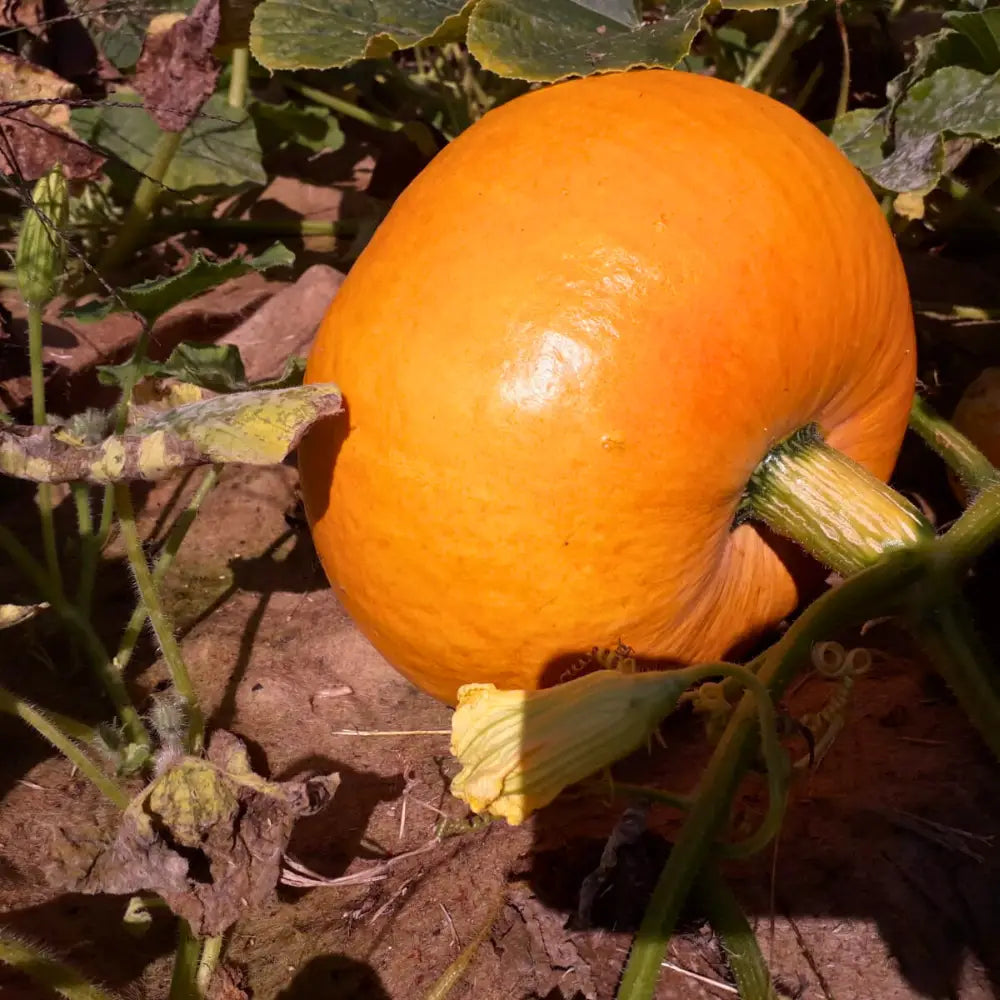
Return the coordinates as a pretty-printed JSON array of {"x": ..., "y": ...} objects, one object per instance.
[{"x": 562, "y": 355}]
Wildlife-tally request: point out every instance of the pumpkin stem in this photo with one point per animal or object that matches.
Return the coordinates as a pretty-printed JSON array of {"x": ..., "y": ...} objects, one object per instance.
[{"x": 833, "y": 507}]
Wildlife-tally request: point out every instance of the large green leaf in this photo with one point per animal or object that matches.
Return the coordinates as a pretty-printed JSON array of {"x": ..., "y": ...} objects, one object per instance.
[
  {"x": 981, "y": 31},
  {"x": 546, "y": 40},
  {"x": 320, "y": 34},
  {"x": 151, "y": 299},
  {"x": 219, "y": 149},
  {"x": 952, "y": 102}
]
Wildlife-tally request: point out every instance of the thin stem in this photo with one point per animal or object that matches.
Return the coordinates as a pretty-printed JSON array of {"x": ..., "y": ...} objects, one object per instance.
[
  {"x": 112, "y": 680},
  {"x": 948, "y": 636},
  {"x": 210, "y": 954},
  {"x": 187, "y": 960},
  {"x": 39, "y": 419},
  {"x": 170, "y": 547},
  {"x": 971, "y": 466},
  {"x": 774, "y": 53},
  {"x": 452, "y": 976},
  {"x": 11, "y": 704},
  {"x": 743, "y": 954},
  {"x": 143, "y": 203},
  {"x": 239, "y": 70},
  {"x": 88, "y": 568},
  {"x": 48, "y": 971},
  {"x": 870, "y": 592},
  {"x": 624, "y": 789},
  {"x": 830, "y": 505},
  {"x": 90, "y": 550},
  {"x": 150, "y": 597},
  {"x": 844, "y": 92},
  {"x": 261, "y": 227},
  {"x": 343, "y": 107}
]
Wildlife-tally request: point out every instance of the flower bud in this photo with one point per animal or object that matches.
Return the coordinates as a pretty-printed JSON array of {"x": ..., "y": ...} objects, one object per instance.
[{"x": 41, "y": 250}]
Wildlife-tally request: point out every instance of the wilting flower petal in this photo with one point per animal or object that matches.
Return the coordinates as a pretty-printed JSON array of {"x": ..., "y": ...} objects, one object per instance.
[{"x": 520, "y": 749}]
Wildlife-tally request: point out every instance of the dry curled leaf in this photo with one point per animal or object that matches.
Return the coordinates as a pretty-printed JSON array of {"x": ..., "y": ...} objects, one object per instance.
[
  {"x": 28, "y": 14},
  {"x": 14, "y": 614},
  {"x": 176, "y": 73},
  {"x": 35, "y": 123},
  {"x": 255, "y": 428},
  {"x": 208, "y": 835}
]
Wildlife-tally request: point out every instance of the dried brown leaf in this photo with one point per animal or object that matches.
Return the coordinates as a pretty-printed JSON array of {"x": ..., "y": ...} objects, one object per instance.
[
  {"x": 257, "y": 427},
  {"x": 208, "y": 835},
  {"x": 29, "y": 146},
  {"x": 177, "y": 72},
  {"x": 27, "y": 14},
  {"x": 35, "y": 128}
]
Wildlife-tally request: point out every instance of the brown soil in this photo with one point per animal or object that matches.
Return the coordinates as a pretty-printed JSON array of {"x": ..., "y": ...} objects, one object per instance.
[{"x": 865, "y": 896}]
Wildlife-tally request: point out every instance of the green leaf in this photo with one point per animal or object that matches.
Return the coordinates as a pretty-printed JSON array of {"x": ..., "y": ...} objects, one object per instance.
[
  {"x": 217, "y": 367},
  {"x": 291, "y": 375},
  {"x": 151, "y": 299},
  {"x": 981, "y": 29},
  {"x": 256, "y": 428},
  {"x": 548, "y": 40},
  {"x": 219, "y": 150},
  {"x": 291, "y": 124},
  {"x": 954, "y": 101},
  {"x": 320, "y": 34},
  {"x": 862, "y": 135}
]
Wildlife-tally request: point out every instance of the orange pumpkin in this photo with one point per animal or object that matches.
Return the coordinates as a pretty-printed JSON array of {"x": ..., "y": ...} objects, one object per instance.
[
  {"x": 977, "y": 416},
  {"x": 563, "y": 354}
]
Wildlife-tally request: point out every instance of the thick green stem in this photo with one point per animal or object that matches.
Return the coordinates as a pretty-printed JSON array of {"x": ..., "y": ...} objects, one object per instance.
[
  {"x": 187, "y": 960},
  {"x": 112, "y": 680},
  {"x": 974, "y": 532},
  {"x": 971, "y": 466},
  {"x": 239, "y": 69},
  {"x": 743, "y": 954},
  {"x": 211, "y": 952},
  {"x": 873, "y": 591},
  {"x": 143, "y": 203},
  {"x": 11, "y": 704},
  {"x": 48, "y": 971},
  {"x": 39, "y": 419},
  {"x": 948, "y": 636},
  {"x": 835, "y": 509},
  {"x": 150, "y": 597},
  {"x": 174, "y": 540}
]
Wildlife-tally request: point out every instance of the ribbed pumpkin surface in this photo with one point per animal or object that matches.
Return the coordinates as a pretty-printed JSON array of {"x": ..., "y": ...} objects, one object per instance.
[{"x": 564, "y": 352}]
